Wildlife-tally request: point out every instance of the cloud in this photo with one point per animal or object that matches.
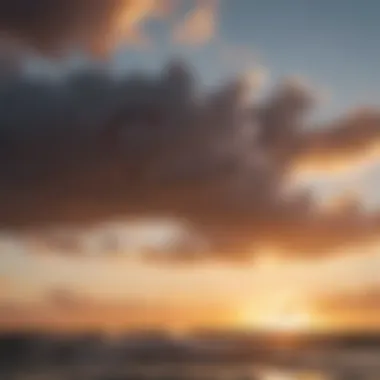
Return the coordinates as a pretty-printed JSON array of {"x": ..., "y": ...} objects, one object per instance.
[
  {"x": 65, "y": 299},
  {"x": 355, "y": 310},
  {"x": 199, "y": 25},
  {"x": 115, "y": 316},
  {"x": 93, "y": 25},
  {"x": 4, "y": 285},
  {"x": 349, "y": 139},
  {"x": 89, "y": 149},
  {"x": 364, "y": 300}
]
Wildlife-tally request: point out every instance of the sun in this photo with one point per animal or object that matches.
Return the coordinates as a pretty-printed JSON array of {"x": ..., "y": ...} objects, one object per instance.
[
  {"x": 281, "y": 321},
  {"x": 286, "y": 322}
]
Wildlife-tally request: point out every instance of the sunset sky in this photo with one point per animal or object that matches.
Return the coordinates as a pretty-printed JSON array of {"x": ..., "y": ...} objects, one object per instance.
[{"x": 316, "y": 253}]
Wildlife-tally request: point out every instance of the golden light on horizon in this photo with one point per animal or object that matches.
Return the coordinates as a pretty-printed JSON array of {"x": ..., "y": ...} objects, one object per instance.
[{"x": 270, "y": 374}]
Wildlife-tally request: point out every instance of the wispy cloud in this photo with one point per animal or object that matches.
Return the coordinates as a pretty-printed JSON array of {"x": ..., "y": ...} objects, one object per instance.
[{"x": 199, "y": 25}]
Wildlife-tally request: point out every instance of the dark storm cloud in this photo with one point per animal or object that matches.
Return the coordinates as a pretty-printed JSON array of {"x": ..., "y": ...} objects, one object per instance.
[{"x": 90, "y": 149}]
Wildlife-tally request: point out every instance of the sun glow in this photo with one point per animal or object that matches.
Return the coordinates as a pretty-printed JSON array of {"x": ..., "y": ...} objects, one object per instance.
[
  {"x": 282, "y": 321},
  {"x": 294, "y": 321}
]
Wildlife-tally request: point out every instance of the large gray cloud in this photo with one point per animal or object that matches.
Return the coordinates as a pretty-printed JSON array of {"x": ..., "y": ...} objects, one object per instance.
[{"x": 88, "y": 149}]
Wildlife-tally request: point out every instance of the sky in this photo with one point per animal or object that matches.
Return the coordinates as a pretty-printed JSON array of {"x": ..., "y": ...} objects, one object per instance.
[{"x": 330, "y": 46}]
